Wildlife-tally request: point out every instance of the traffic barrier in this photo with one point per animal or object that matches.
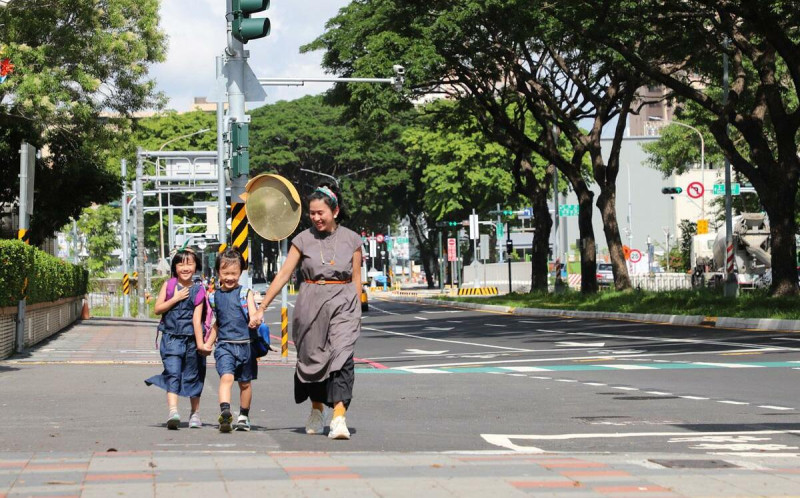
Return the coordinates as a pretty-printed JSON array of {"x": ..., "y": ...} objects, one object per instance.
[
  {"x": 85, "y": 315},
  {"x": 478, "y": 291}
]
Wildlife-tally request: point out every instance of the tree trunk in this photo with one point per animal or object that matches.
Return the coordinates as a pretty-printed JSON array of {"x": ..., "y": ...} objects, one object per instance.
[
  {"x": 426, "y": 252},
  {"x": 779, "y": 204},
  {"x": 542, "y": 224},
  {"x": 588, "y": 248},
  {"x": 607, "y": 203}
]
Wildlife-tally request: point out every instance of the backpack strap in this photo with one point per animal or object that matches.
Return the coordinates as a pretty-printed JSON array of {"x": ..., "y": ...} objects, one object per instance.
[
  {"x": 171, "y": 285},
  {"x": 243, "y": 291}
]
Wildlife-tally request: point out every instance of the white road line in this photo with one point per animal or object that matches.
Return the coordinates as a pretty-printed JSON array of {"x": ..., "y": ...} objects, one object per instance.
[
  {"x": 448, "y": 341},
  {"x": 624, "y": 388},
  {"x": 726, "y": 365},
  {"x": 420, "y": 318},
  {"x": 444, "y": 311},
  {"x": 540, "y": 377},
  {"x": 659, "y": 393},
  {"x": 772, "y": 407},
  {"x": 516, "y": 375},
  {"x": 423, "y": 370},
  {"x": 694, "y": 397},
  {"x": 728, "y": 402},
  {"x": 373, "y": 307},
  {"x": 455, "y": 321},
  {"x": 595, "y": 384},
  {"x": 615, "y": 325},
  {"x": 539, "y": 322},
  {"x": 566, "y": 380},
  {"x": 493, "y": 325},
  {"x": 629, "y": 367},
  {"x": 750, "y": 347},
  {"x": 525, "y": 369}
]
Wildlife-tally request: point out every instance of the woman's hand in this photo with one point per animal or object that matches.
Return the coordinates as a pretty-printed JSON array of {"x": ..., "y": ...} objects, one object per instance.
[{"x": 255, "y": 320}]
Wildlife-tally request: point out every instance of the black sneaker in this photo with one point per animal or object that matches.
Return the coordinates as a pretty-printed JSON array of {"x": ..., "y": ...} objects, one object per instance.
[{"x": 225, "y": 420}]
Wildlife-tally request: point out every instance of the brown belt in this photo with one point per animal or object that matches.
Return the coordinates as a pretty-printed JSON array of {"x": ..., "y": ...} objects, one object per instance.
[{"x": 325, "y": 282}]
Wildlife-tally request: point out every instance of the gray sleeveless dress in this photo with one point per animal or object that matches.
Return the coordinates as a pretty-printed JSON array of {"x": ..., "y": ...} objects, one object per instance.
[{"x": 327, "y": 318}]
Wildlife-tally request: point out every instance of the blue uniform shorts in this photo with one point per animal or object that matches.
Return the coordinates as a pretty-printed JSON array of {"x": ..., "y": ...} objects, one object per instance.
[{"x": 236, "y": 359}]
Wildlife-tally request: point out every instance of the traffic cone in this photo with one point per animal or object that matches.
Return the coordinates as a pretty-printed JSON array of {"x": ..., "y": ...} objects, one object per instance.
[{"x": 85, "y": 311}]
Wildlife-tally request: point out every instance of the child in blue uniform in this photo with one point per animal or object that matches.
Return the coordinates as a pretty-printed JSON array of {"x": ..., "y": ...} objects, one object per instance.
[
  {"x": 235, "y": 361},
  {"x": 182, "y": 349}
]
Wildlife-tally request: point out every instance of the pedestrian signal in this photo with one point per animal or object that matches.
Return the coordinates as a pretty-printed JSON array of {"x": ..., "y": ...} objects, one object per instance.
[
  {"x": 245, "y": 28},
  {"x": 671, "y": 190}
]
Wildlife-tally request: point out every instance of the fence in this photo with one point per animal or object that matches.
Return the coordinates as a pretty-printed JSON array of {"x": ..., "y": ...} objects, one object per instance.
[
  {"x": 111, "y": 304},
  {"x": 42, "y": 320},
  {"x": 661, "y": 281}
]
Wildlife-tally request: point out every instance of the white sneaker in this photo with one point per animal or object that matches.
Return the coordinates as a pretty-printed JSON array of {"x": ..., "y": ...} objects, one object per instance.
[
  {"x": 194, "y": 421},
  {"x": 243, "y": 423},
  {"x": 339, "y": 429},
  {"x": 314, "y": 423}
]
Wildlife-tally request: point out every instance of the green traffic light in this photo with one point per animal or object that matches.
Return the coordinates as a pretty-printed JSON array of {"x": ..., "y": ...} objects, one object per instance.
[
  {"x": 244, "y": 28},
  {"x": 508, "y": 212}
]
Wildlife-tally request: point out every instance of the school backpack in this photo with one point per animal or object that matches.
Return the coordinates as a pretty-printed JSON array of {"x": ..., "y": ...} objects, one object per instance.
[
  {"x": 259, "y": 337},
  {"x": 208, "y": 315}
]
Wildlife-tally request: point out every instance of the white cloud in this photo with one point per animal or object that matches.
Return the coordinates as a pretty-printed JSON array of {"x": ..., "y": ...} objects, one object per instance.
[{"x": 196, "y": 30}]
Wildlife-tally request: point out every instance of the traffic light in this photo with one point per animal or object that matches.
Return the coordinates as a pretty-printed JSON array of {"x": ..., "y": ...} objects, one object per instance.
[
  {"x": 448, "y": 223},
  {"x": 507, "y": 212},
  {"x": 671, "y": 190},
  {"x": 245, "y": 28},
  {"x": 240, "y": 143}
]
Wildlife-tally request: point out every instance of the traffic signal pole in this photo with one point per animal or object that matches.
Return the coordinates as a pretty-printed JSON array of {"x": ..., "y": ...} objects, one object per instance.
[{"x": 126, "y": 303}]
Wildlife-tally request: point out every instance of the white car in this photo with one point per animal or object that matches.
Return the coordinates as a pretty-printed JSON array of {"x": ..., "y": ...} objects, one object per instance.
[{"x": 605, "y": 275}]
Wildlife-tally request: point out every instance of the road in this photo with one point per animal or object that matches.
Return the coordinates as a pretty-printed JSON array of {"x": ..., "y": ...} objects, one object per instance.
[{"x": 440, "y": 379}]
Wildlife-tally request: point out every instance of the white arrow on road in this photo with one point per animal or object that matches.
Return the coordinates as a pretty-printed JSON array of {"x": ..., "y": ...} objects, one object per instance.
[
  {"x": 580, "y": 344},
  {"x": 438, "y": 328},
  {"x": 422, "y": 351}
]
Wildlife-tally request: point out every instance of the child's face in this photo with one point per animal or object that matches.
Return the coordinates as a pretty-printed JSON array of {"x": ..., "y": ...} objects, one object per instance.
[
  {"x": 229, "y": 276},
  {"x": 185, "y": 269}
]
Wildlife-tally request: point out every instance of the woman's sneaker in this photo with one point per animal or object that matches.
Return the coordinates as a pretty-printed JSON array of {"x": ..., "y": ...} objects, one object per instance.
[
  {"x": 243, "y": 423},
  {"x": 194, "y": 421},
  {"x": 314, "y": 423},
  {"x": 339, "y": 429},
  {"x": 225, "y": 420},
  {"x": 174, "y": 421}
]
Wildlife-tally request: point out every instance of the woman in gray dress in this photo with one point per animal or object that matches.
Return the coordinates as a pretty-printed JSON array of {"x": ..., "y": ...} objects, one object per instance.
[{"x": 327, "y": 316}]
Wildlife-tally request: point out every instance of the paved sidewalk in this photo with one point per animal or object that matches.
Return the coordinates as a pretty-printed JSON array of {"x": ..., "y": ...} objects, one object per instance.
[{"x": 163, "y": 474}]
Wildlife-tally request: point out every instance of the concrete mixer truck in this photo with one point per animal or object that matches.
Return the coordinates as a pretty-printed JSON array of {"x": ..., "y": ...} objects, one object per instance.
[{"x": 752, "y": 261}]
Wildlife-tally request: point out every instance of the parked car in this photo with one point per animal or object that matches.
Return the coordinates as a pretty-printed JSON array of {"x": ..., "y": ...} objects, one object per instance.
[
  {"x": 364, "y": 297},
  {"x": 605, "y": 276}
]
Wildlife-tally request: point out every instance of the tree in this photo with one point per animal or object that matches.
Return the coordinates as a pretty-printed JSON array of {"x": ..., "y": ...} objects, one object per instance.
[
  {"x": 683, "y": 45},
  {"x": 76, "y": 61},
  {"x": 511, "y": 65},
  {"x": 98, "y": 224}
]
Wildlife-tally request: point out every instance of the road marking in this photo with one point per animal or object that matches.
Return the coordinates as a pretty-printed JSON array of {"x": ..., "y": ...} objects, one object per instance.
[
  {"x": 373, "y": 307},
  {"x": 659, "y": 393},
  {"x": 455, "y": 321},
  {"x": 624, "y": 388},
  {"x": 694, "y": 397},
  {"x": 629, "y": 367},
  {"x": 598, "y": 384},
  {"x": 420, "y": 318},
  {"x": 566, "y": 380},
  {"x": 506, "y": 440},
  {"x": 423, "y": 370},
  {"x": 727, "y": 365},
  {"x": 444, "y": 311},
  {"x": 581, "y": 344},
  {"x": 727, "y": 402},
  {"x": 424, "y": 352},
  {"x": 526, "y": 369},
  {"x": 449, "y": 341},
  {"x": 493, "y": 325},
  {"x": 439, "y": 328},
  {"x": 772, "y": 407}
]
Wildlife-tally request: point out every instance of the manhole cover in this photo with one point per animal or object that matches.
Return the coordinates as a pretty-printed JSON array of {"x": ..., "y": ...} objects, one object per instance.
[{"x": 696, "y": 464}]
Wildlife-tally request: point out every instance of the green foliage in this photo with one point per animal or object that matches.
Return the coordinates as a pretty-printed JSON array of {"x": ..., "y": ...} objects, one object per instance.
[
  {"x": 74, "y": 60},
  {"x": 688, "y": 229},
  {"x": 49, "y": 278},
  {"x": 99, "y": 227}
]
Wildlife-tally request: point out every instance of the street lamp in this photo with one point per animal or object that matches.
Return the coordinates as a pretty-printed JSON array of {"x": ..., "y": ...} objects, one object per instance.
[
  {"x": 160, "y": 214},
  {"x": 702, "y": 159}
]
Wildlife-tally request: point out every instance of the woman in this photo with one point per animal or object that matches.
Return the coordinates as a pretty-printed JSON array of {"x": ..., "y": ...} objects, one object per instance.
[{"x": 327, "y": 317}]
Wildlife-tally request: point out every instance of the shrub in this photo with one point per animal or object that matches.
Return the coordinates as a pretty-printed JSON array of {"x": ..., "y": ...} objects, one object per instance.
[{"x": 48, "y": 278}]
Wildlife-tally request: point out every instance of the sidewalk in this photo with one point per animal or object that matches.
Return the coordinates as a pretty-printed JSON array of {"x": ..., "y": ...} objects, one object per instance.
[{"x": 220, "y": 474}]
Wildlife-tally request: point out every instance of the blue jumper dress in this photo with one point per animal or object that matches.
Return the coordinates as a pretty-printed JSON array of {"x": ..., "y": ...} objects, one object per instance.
[
  {"x": 232, "y": 353},
  {"x": 184, "y": 368}
]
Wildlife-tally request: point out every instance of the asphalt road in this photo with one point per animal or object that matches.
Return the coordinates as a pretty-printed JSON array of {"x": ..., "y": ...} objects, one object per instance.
[{"x": 432, "y": 378}]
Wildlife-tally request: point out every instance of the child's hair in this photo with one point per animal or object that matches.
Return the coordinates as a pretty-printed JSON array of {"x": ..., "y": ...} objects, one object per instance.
[
  {"x": 230, "y": 256},
  {"x": 329, "y": 194},
  {"x": 181, "y": 257}
]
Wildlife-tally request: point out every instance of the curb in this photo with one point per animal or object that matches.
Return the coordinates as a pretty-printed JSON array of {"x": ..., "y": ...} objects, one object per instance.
[{"x": 763, "y": 324}]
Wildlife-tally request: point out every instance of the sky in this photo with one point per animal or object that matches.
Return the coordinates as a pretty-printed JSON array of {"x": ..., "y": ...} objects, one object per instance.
[{"x": 196, "y": 30}]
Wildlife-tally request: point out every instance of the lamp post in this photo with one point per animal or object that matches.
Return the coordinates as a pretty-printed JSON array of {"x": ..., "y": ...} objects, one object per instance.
[
  {"x": 160, "y": 214},
  {"x": 702, "y": 159}
]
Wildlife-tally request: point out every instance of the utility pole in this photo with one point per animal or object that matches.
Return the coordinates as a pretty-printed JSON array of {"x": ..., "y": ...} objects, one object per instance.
[
  {"x": 27, "y": 168},
  {"x": 222, "y": 204},
  {"x": 126, "y": 304},
  {"x": 140, "y": 252}
]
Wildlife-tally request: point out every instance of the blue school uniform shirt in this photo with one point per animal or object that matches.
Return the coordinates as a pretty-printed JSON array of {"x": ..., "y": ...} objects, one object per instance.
[
  {"x": 178, "y": 319},
  {"x": 231, "y": 322}
]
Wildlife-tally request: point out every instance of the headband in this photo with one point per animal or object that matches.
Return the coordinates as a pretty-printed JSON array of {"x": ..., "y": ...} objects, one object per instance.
[{"x": 329, "y": 193}]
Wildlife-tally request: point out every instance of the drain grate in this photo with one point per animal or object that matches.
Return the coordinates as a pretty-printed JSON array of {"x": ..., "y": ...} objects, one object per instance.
[{"x": 695, "y": 464}]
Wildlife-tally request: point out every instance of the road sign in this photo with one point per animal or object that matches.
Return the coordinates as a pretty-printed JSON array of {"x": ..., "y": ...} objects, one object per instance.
[
  {"x": 473, "y": 226},
  {"x": 696, "y": 190},
  {"x": 636, "y": 255},
  {"x": 372, "y": 247},
  {"x": 379, "y": 238},
  {"x": 702, "y": 227},
  {"x": 451, "y": 250},
  {"x": 568, "y": 210},
  {"x": 528, "y": 211},
  {"x": 499, "y": 230},
  {"x": 719, "y": 189}
]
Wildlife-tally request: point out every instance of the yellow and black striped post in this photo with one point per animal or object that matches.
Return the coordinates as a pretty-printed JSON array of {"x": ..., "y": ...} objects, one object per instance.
[
  {"x": 24, "y": 235},
  {"x": 284, "y": 334},
  {"x": 239, "y": 229},
  {"x": 126, "y": 284}
]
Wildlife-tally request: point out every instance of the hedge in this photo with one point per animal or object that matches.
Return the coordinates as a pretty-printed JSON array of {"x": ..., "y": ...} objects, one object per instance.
[{"x": 49, "y": 278}]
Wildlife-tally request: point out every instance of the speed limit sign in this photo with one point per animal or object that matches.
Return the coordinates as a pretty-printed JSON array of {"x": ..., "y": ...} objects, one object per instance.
[{"x": 636, "y": 255}]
